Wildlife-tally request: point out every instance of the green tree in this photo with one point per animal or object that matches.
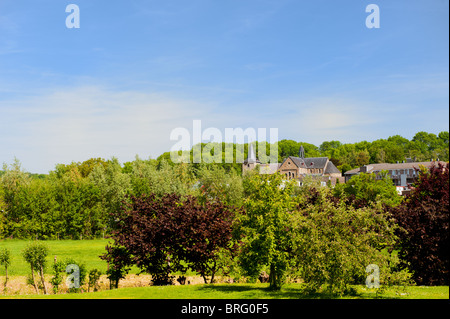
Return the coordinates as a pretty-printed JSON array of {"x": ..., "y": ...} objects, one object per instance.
[
  {"x": 444, "y": 138},
  {"x": 333, "y": 243},
  {"x": 362, "y": 158},
  {"x": 264, "y": 227},
  {"x": 160, "y": 178},
  {"x": 365, "y": 190},
  {"x": 12, "y": 180},
  {"x": 5, "y": 260},
  {"x": 35, "y": 255},
  {"x": 3, "y": 213},
  {"x": 113, "y": 186},
  {"x": 328, "y": 146},
  {"x": 214, "y": 183}
]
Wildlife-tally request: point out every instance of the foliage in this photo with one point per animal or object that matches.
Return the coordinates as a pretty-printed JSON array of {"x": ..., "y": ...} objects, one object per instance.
[
  {"x": 35, "y": 255},
  {"x": 74, "y": 201},
  {"x": 205, "y": 230},
  {"x": 58, "y": 268},
  {"x": 215, "y": 184},
  {"x": 159, "y": 234},
  {"x": 365, "y": 190},
  {"x": 424, "y": 222},
  {"x": 5, "y": 260},
  {"x": 334, "y": 242},
  {"x": 113, "y": 186},
  {"x": 82, "y": 273},
  {"x": 119, "y": 261},
  {"x": 264, "y": 227},
  {"x": 93, "y": 277}
]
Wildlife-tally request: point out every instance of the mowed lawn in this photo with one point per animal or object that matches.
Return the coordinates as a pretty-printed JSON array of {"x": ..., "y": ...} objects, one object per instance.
[
  {"x": 83, "y": 251},
  {"x": 245, "y": 291}
]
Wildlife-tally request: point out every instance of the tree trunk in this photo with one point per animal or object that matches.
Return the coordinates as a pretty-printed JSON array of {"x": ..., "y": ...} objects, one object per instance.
[
  {"x": 6, "y": 274},
  {"x": 273, "y": 279},
  {"x": 213, "y": 271},
  {"x": 43, "y": 281},
  {"x": 34, "y": 280}
]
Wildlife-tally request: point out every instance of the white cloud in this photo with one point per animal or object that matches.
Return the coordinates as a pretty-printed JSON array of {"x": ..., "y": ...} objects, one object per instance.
[
  {"x": 320, "y": 119},
  {"x": 76, "y": 124}
]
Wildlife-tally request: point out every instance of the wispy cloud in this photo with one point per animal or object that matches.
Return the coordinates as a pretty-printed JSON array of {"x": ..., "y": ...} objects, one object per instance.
[
  {"x": 79, "y": 123},
  {"x": 8, "y": 32}
]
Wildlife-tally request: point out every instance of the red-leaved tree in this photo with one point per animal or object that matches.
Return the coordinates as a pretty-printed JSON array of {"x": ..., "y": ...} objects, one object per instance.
[
  {"x": 424, "y": 217},
  {"x": 169, "y": 234}
]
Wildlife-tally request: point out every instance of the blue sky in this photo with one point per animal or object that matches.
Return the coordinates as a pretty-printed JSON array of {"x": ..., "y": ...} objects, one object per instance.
[{"x": 135, "y": 70}]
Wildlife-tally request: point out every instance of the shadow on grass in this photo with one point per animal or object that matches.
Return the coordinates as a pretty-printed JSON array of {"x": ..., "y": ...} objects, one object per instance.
[
  {"x": 254, "y": 291},
  {"x": 289, "y": 291}
]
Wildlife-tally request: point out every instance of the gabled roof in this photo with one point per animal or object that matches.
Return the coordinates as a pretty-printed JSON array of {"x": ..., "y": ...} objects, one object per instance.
[
  {"x": 309, "y": 162},
  {"x": 331, "y": 168}
]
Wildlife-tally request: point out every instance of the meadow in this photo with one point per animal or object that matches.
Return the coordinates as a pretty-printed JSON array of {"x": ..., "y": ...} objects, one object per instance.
[{"x": 83, "y": 251}]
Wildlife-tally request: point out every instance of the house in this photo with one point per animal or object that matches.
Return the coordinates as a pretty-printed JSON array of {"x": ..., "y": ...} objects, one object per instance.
[
  {"x": 402, "y": 174},
  {"x": 297, "y": 167}
]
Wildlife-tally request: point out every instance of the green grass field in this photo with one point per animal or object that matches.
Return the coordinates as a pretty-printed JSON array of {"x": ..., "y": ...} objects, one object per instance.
[
  {"x": 244, "y": 291},
  {"x": 83, "y": 251},
  {"x": 88, "y": 252}
]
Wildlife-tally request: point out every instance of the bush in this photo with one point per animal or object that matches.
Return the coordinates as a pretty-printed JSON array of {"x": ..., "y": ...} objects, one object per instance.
[
  {"x": 58, "y": 268},
  {"x": 94, "y": 276},
  {"x": 119, "y": 261}
]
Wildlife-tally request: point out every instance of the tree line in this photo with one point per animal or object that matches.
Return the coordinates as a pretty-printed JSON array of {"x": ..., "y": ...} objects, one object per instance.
[
  {"x": 75, "y": 200},
  {"x": 422, "y": 147}
]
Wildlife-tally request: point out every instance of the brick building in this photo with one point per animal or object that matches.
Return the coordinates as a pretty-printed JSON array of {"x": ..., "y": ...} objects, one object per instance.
[{"x": 297, "y": 167}]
